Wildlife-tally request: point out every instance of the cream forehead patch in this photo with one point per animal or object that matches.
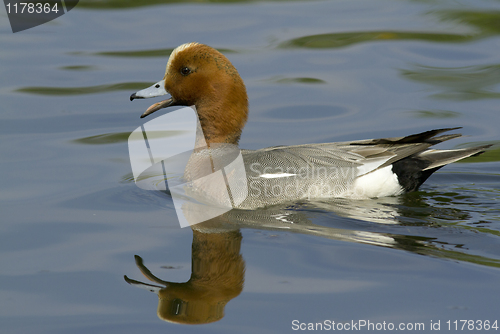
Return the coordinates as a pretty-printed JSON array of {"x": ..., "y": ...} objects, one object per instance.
[{"x": 177, "y": 50}]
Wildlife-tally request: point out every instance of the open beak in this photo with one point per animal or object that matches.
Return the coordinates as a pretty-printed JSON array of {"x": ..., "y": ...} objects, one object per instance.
[{"x": 158, "y": 89}]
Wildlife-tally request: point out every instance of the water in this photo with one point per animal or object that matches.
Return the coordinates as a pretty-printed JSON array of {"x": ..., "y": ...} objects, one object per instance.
[{"x": 316, "y": 71}]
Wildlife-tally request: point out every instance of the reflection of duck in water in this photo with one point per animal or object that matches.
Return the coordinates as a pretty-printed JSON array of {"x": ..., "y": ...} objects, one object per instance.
[
  {"x": 217, "y": 277},
  {"x": 198, "y": 75},
  {"x": 218, "y": 268}
]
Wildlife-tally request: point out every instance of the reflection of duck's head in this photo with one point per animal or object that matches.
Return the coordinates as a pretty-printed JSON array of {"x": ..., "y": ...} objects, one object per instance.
[
  {"x": 199, "y": 75},
  {"x": 190, "y": 304},
  {"x": 217, "y": 277}
]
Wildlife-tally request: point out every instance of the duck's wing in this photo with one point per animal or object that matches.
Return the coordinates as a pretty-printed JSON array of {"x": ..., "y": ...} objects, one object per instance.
[
  {"x": 340, "y": 164},
  {"x": 366, "y": 155},
  {"x": 384, "y": 150}
]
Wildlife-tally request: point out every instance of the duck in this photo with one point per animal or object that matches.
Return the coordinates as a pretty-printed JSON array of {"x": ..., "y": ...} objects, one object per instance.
[{"x": 200, "y": 76}]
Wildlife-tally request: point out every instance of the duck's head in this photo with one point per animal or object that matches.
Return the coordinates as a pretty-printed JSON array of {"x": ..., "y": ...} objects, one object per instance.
[{"x": 199, "y": 75}]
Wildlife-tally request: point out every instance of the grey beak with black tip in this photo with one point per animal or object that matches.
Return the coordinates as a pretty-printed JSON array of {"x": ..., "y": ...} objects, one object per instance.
[{"x": 158, "y": 89}]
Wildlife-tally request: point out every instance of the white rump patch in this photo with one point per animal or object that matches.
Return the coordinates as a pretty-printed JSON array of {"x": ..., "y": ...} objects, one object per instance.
[
  {"x": 380, "y": 183},
  {"x": 276, "y": 175}
]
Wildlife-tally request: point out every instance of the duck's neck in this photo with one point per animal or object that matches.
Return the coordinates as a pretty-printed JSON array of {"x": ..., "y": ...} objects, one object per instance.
[{"x": 223, "y": 116}]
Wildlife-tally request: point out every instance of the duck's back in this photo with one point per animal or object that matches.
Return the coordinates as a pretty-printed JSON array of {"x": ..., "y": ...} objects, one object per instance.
[{"x": 357, "y": 169}]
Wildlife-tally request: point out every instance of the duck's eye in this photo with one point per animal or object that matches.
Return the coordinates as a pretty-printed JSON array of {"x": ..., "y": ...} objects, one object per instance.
[
  {"x": 157, "y": 86},
  {"x": 185, "y": 71}
]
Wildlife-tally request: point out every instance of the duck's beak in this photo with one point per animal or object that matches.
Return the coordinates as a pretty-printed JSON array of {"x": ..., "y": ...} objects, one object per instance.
[{"x": 158, "y": 89}]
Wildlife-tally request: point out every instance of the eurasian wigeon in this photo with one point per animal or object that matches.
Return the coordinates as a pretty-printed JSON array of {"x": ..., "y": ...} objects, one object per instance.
[{"x": 198, "y": 75}]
